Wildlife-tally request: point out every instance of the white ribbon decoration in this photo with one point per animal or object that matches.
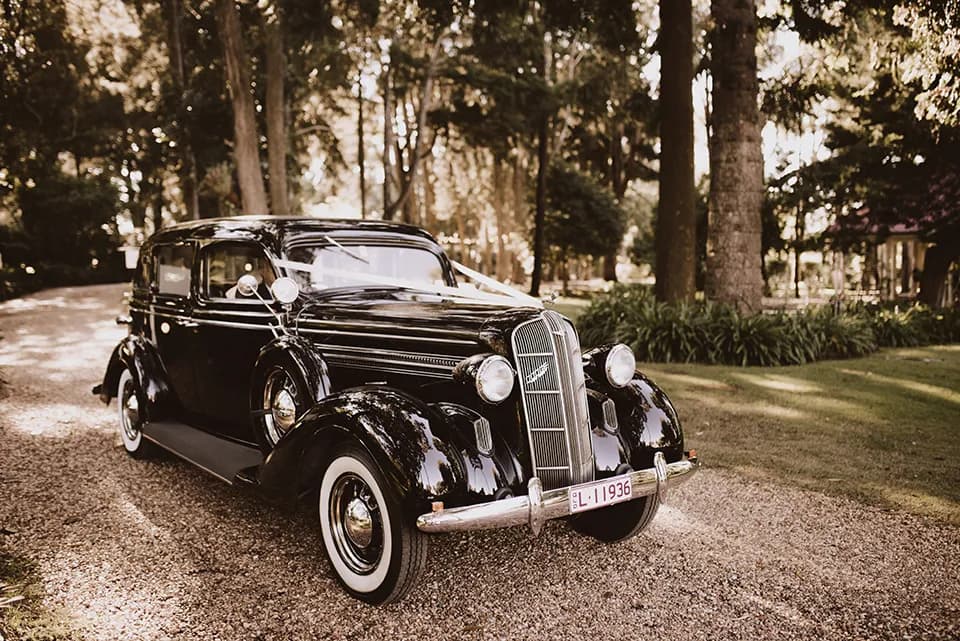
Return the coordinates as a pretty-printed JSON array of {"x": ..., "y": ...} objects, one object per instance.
[{"x": 507, "y": 296}]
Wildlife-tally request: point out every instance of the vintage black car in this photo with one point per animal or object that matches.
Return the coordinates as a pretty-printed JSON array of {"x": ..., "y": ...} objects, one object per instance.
[{"x": 341, "y": 361}]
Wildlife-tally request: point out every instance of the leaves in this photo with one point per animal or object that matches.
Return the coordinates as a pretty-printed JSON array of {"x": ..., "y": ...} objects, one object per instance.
[{"x": 703, "y": 332}]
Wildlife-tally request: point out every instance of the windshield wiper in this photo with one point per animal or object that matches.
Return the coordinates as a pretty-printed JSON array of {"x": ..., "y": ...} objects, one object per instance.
[{"x": 346, "y": 251}]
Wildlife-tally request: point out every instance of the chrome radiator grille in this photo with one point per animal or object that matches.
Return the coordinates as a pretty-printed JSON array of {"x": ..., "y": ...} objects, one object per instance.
[{"x": 554, "y": 392}]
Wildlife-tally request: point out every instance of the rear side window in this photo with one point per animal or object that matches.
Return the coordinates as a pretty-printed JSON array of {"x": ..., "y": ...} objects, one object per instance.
[
  {"x": 144, "y": 274},
  {"x": 225, "y": 263},
  {"x": 174, "y": 263}
]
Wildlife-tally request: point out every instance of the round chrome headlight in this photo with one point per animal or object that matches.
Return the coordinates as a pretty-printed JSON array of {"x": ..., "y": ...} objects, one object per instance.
[
  {"x": 495, "y": 379},
  {"x": 620, "y": 365}
]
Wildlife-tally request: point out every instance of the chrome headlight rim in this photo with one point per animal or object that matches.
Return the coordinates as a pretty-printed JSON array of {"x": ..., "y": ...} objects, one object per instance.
[
  {"x": 620, "y": 365},
  {"x": 483, "y": 383}
]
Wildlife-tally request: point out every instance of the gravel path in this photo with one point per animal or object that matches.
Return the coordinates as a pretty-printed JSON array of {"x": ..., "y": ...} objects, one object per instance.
[{"x": 157, "y": 550}]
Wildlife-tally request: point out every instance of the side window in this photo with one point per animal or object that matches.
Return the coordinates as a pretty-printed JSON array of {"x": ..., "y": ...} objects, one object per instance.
[
  {"x": 144, "y": 274},
  {"x": 225, "y": 263},
  {"x": 174, "y": 263}
]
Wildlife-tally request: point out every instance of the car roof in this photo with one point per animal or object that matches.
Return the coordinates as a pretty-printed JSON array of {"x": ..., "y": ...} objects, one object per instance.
[{"x": 270, "y": 230}]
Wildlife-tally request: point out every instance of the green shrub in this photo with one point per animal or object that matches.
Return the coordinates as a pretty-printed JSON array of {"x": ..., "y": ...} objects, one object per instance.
[
  {"x": 843, "y": 335},
  {"x": 709, "y": 333}
]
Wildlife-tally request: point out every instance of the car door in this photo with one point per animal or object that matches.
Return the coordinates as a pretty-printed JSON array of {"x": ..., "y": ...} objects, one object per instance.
[
  {"x": 232, "y": 329},
  {"x": 171, "y": 320}
]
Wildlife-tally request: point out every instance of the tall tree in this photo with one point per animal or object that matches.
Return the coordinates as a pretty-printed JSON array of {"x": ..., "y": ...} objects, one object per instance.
[
  {"x": 676, "y": 230},
  {"x": 276, "y": 108},
  {"x": 736, "y": 162},
  {"x": 246, "y": 140},
  {"x": 188, "y": 160},
  {"x": 405, "y": 173}
]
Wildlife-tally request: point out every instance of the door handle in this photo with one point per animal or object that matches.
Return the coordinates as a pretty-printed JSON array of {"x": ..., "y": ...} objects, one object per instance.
[{"x": 187, "y": 324}]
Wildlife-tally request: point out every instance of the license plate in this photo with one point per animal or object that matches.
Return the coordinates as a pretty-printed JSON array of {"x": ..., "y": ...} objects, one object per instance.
[{"x": 600, "y": 493}]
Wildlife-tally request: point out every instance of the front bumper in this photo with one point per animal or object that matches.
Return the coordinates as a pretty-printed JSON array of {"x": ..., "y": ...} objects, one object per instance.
[{"x": 538, "y": 506}]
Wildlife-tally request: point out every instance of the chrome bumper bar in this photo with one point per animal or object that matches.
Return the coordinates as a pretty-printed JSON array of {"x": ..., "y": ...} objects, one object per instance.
[{"x": 538, "y": 506}]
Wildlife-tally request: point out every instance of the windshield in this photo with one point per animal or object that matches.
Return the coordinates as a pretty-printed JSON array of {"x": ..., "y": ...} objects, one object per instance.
[{"x": 332, "y": 264}]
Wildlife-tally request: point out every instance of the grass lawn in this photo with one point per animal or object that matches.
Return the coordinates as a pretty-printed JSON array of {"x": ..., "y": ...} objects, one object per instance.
[
  {"x": 885, "y": 428},
  {"x": 569, "y": 306},
  {"x": 26, "y": 618}
]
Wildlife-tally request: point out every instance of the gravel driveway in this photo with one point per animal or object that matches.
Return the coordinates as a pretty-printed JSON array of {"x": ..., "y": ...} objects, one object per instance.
[{"x": 157, "y": 550}]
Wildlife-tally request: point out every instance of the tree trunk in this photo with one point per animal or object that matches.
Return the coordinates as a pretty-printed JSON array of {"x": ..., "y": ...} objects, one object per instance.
[
  {"x": 800, "y": 223},
  {"x": 361, "y": 152},
  {"x": 429, "y": 196},
  {"x": 389, "y": 143},
  {"x": 158, "y": 210},
  {"x": 499, "y": 207},
  {"x": 736, "y": 162},
  {"x": 543, "y": 158},
  {"x": 869, "y": 278},
  {"x": 487, "y": 251},
  {"x": 619, "y": 185},
  {"x": 676, "y": 226},
  {"x": 188, "y": 160},
  {"x": 936, "y": 267},
  {"x": 426, "y": 98},
  {"x": 246, "y": 140},
  {"x": 906, "y": 269},
  {"x": 276, "y": 68}
]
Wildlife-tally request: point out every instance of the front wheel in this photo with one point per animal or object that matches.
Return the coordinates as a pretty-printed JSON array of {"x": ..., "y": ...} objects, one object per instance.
[
  {"x": 618, "y": 522},
  {"x": 376, "y": 554}
]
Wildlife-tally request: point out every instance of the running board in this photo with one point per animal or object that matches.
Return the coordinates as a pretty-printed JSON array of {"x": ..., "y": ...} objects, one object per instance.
[{"x": 222, "y": 458}]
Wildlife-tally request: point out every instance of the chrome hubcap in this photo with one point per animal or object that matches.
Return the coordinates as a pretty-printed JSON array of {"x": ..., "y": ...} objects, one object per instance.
[
  {"x": 284, "y": 409},
  {"x": 279, "y": 401},
  {"x": 131, "y": 412},
  {"x": 356, "y": 523}
]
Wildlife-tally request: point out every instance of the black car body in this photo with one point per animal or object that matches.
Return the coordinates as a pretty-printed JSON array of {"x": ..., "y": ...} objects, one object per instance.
[{"x": 401, "y": 407}]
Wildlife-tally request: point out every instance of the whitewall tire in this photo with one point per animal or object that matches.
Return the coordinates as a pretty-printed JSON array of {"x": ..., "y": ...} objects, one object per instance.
[
  {"x": 130, "y": 416},
  {"x": 376, "y": 554}
]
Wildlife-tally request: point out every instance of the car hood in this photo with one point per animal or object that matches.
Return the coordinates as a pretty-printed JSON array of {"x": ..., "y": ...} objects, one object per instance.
[{"x": 409, "y": 320}]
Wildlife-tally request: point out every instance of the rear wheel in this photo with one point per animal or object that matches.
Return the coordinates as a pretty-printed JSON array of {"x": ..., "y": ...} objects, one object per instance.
[
  {"x": 618, "y": 522},
  {"x": 375, "y": 552},
  {"x": 131, "y": 417}
]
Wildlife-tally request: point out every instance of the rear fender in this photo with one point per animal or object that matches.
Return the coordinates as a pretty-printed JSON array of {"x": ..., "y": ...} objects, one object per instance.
[{"x": 138, "y": 355}]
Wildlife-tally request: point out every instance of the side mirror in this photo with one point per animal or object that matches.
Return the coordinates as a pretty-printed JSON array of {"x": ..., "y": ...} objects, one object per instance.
[
  {"x": 247, "y": 285},
  {"x": 284, "y": 290}
]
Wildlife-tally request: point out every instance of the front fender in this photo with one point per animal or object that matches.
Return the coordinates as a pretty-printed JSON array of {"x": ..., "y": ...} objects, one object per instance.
[
  {"x": 647, "y": 421},
  {"x": 138, "y": 355},
  {"x": 411, "y": 442}
]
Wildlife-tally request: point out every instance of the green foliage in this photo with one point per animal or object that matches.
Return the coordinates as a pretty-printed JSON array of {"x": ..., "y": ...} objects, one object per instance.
[
  {"x": 71, "y": 219},
  {"x": 582, "y": 216},
  {"x": 69, "y": 232},
  {"x": 703, "y": 332}
]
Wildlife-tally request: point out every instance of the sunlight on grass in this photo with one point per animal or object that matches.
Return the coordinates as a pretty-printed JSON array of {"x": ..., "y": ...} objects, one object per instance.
[
  {"x": 933, "y": 390},
  {"x": 883, "y": 429},
  {"x": 918, "y": 502},
  {"x": 687, "y": 380},
  {"x": 780, "y": 383}
]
